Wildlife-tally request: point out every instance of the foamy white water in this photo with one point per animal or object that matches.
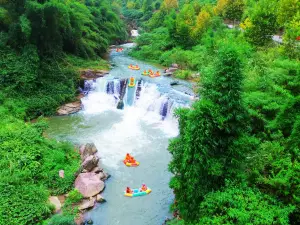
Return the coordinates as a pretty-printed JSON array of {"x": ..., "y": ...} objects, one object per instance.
[{"x": 128, "y": 135}]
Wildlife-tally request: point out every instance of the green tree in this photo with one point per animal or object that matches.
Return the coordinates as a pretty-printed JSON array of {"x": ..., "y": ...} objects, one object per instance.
[
  {"x": 230, "y": 9},
  {"x": 242, "y": 205},
  {"x": 287, "y": 9},
  {"x": 168, "y": 5},
  {"x": 147, "y": 6},
  {"x": 185, "y": 22},
  {"x": 234, "y": 9},
  {"x": 262, "y": 23},
  {"x": 211, "y": 133}
]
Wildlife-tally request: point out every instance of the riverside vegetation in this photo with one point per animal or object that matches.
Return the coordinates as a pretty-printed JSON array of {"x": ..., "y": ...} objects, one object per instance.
[
  {"x": 236, "y": 160},
  {"x": 42, "y": 45}
]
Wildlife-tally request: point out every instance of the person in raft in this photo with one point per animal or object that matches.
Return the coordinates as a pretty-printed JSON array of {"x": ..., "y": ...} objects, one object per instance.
[
  {"x": 143, "y": 188},
  {"x": 130, "y": 65},
  {"x": 129, "y": 158},
  {"x": 128, "y": 190},
  {"x": 132, "y": 160}
]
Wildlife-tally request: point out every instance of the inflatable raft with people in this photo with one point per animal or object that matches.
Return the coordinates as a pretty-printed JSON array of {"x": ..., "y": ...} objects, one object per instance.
[
  {"x": 130, "y": 161},
  {"x": 144, "y": 190},
  {"x": 132, "y": 67},
  {"x": 131, "y": 82},
  {"x": 151, "y": 74}
]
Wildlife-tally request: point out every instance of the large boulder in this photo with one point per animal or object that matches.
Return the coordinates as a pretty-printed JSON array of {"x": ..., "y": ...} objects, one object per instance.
[
  {"x": 88, "y": 184},
  {"x": 175, "y": 65},
  {"x": 89, "y": 74},
  {"x": 55, "y": 201},
  {"x": 171, "y": 70},
  {"x": 69, "y": 108},
  {"x": 87, "y": 150},
  {"x": 87, "y": 203},
  {"x": 90, "y": 163}
]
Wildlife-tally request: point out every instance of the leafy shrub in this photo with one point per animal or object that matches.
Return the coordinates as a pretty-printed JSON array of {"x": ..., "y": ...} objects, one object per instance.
[
  {"x": 23, "y": 203},
  {"x": 30, "y": 165},
  {"x": 183, "y": 74},
  {"x": 70, "y": 207},
  {"x": 236, "y": 205},
  {"x": 61, "y": 220}
]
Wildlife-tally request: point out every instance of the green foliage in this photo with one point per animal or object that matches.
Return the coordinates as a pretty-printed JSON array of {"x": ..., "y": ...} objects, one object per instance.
[
  {"x": 151, "y": 49},
  {"x": 61, "y": 220},
  {"x": 234, "y": 9},
  {"x": 70, "y": 207},
  {"x": 242, "y": 130},
  {"x": 211, "y": 133},
  {"x": 183, "y": 74},
  {"x": 263, "y": 23},
  {"x": 242, "y": 205},
  {"x": 72, "y": 26},
  {"x": 30, "y": 165}
]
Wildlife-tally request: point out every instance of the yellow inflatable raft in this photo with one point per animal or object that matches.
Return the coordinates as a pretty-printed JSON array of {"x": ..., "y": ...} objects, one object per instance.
[
  {"x": 135, "y": 164},
  {"x": 152, "y": 75},
  {"x": 134, "y": 67},
  {"x": 131, "y": 82},
  {"x": 137, "y": 192}
]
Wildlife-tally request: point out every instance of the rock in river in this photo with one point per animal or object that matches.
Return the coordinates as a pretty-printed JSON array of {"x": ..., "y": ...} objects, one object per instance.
[
  {"x": 99, "y": 198},
  {"x": 69, "y": 108},
  {"x": 89, "y": 184},
  {"x": 87, "y": 150},
  {"x": 92, "y": 74},
  {"x": 87, "y": 203},
  {"x": 90, "y": 163}
]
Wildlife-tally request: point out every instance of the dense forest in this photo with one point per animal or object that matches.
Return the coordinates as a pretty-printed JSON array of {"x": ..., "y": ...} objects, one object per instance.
[
  {"x": 236, "y": 160},
  {"x": 42, "y": 43}
]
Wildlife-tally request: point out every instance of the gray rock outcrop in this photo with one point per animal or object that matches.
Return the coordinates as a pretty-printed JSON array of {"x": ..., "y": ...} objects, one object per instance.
[{"x": 89, "y": 184}]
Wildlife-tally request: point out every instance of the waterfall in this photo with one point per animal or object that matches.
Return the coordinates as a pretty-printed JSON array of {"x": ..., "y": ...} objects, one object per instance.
[
  {"x": 138, "y": 89},
  {"x": 115, "y": 94},
  {"x": 110, "y": 87},
  {"x": 164, "y": 109},
  {"x": 88, "y": 86}
]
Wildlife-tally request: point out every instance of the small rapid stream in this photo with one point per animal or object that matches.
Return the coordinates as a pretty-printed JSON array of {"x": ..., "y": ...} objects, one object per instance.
[{"x": 143, "y": 128}]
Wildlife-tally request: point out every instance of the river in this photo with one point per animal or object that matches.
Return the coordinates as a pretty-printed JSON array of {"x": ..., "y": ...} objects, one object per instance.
[{"x": 143, "y": 128}]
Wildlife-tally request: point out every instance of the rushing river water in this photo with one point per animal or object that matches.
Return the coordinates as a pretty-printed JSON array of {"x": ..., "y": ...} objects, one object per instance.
[{"x": 143, "y": 128}]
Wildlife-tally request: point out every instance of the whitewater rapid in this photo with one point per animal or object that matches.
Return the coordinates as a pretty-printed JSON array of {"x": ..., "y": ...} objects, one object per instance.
[{"x": 142, "y": 128}]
